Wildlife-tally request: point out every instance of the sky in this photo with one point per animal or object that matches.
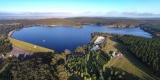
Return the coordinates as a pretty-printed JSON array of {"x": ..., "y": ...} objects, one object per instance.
[{"x": 104, "y": 8}]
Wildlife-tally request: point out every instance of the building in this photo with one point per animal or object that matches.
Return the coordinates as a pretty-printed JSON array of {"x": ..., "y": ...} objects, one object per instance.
[
  {"x": 113, "y": 53},
  {"x": 10, "y": 55},
  {"x": 95, "y": 48},
  {"x": 2, "y": 56},
  {"x": 99, "y": 40},
  {"x": 116, "y": 54}
]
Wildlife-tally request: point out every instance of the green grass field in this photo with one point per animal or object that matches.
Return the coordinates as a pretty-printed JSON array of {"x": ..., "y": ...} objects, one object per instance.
[
  {"x": 28, "y": 46},
  {"x": 128, "y": 64}
]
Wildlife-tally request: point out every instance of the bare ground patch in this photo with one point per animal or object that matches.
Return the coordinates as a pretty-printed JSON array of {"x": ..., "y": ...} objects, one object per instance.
[{"x": 20, "y": 53}]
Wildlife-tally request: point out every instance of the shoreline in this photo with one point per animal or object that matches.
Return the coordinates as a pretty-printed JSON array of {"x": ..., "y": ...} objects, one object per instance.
[
  {"x": 151, "y": 32},
  {"x": 10, "y": 33},
  {"x": 92, "y": 34}
]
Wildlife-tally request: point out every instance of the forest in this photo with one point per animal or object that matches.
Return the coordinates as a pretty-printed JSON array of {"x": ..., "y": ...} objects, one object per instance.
[
  {"x": 40, "y": 66},
  {"x": 93, "y": 64},
  {"x": 5, "y": 45},
  {"x": 51, "y": 66},
  {"x": 152, "y": 29},
  {"x": 145, "y": 50},
  {"x": 113, "y": 22},
  {"x": 80, "y": 21}
]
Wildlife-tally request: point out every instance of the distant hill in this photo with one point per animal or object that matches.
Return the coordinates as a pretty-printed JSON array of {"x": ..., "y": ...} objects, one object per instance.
[{"x": 119, "y": 22}]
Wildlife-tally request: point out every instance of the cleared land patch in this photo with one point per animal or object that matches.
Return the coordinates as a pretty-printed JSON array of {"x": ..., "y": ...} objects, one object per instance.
[
  {"x": 129, "y": 63},
  {"x": 17, "y": 52},
  {"x": 28, "y": 46}
]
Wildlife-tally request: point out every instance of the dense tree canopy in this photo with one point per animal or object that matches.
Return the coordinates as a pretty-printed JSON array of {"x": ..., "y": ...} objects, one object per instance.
[
  {"x": 48, "y": 66},
  {"x": 113, "y": 22},
  {"x": 152, "y": 29},
  {"x": 90, "y": 65},
  {"x": 147, "y": 50},
  {"x": 5, "y": 45}
]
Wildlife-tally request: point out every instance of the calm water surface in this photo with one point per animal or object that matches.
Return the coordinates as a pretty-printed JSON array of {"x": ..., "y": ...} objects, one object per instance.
[{"x": 61, "y": 37}]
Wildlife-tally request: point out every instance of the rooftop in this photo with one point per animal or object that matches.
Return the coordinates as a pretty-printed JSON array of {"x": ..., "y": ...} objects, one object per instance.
[{"x": 99, "y": 40}]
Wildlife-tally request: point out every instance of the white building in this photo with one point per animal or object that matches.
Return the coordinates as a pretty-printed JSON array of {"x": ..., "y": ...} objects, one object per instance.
[
  {"x": 10, "y": 55},
  {"x": 118, "y": 54},
  {"x": 113, "y": 53},
  {"x": 99, "y": 40},
  {"x": 2, "y": 56},
  {"x": 95, "y": 48}
]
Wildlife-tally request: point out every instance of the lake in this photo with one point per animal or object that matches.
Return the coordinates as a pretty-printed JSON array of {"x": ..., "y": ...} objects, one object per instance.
[{"x": 60, "y": 38}]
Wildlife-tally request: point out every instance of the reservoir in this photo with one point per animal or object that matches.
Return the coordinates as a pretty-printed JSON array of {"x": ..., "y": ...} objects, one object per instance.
[{"x": 61, "y": 37}]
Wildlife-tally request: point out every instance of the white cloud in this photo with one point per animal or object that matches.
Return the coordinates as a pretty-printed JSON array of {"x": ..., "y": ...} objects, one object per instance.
[
  {"x": 112, "y": 12},
  {"x": 135, "y": 13}
]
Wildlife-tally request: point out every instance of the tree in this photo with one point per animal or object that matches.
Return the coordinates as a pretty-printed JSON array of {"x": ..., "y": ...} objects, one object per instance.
[
  {"x": 94, "y": 77},
  {"x": 101, "y": 78},
  {"x": 62, "y": 73},
  {"x": 109, "y": 78}
]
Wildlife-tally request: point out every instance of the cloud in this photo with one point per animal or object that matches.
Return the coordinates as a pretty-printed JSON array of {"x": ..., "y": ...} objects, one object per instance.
[
  {"x": 91, "y": 13},
  {"x": 7, "y": 13},
  {"x": 87, "y": 12},
  {"x": 112, "y": 12},
  {"x": 46, "y": 13},
  {"x": 135, "y": 13},
  {"x": 34, "y": 13}
]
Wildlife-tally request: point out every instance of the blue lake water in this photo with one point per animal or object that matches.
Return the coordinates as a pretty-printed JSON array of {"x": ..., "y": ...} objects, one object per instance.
[{"x": 60, "y": 38}]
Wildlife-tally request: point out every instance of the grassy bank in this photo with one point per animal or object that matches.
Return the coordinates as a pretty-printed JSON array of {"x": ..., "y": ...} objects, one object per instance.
[
  {"x": 129, "y": 63},
  {"x": 28, "y": 46}
]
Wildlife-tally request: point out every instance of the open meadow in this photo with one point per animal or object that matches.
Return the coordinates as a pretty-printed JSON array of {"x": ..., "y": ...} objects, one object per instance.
[
  {"x": 28, "y": 46},
  {"x": 128, "y": 64}
]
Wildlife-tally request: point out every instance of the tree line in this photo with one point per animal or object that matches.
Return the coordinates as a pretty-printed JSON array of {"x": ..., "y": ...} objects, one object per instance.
[
  {"x": 146, "y": 50},
  {"x": 114, "y": 22},
  {"x": 152, "y": 29},
  {"x": 39, "y": 66},
  {"x": 5, "y": 45}
]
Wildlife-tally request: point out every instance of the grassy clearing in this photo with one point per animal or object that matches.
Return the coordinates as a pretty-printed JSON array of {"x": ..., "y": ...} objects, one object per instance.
[
  {"x": 129, "y": 63},
  {"x": 112, "y": 45},
  {"x": 28, "y": 47}
]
